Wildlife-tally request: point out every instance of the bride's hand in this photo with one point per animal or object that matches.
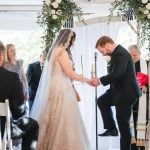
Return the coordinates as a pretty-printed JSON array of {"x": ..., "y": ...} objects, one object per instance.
[{"x": 89, "y": 82}]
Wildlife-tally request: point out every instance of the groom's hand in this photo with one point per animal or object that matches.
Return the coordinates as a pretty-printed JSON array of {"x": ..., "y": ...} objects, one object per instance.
[
  {"x": 95, "y": 81},
  {"x": 89, "y": 82}
]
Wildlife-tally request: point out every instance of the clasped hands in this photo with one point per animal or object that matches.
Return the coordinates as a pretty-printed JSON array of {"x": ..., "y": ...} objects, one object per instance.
[{"x": 94, "y": 81}]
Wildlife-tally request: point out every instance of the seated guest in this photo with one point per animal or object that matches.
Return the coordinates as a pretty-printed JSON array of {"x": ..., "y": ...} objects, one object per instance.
[{"x": 11, "y": 88}]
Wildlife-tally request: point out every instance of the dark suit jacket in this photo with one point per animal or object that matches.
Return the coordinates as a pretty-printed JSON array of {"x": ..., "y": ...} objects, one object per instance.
[
  {"x": 11, "y": 89},
  {"x": 33, "y": 77},
  {"x": 137, "y": 67},
  {"x": 121, "y": 77}
]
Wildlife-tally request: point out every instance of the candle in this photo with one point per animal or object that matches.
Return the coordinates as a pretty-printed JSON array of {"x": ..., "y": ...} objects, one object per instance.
[
  {"x": 92, "y": 71},
  {"x": 81, "y": 65}
]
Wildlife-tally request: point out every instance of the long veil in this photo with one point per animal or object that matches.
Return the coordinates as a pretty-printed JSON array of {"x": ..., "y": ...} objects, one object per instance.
[{"x": 42, "y": 94}]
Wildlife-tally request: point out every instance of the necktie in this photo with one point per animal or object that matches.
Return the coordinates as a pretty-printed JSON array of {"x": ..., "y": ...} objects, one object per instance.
[{"x": 42, "y": 67}]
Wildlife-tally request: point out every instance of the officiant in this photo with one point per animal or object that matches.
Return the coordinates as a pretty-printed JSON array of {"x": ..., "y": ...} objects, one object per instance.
[{"x": 138, "y": 118}]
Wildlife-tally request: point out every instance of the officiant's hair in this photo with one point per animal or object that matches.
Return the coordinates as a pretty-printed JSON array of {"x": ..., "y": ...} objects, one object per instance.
[
  {"x": 135, "y": 47},
  {"x": 103, "y": 40}
]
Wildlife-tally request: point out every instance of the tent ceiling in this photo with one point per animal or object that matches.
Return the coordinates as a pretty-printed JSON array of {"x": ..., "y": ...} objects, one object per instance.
[
  {"x": 39, "y": 2},
  {"x": 22, "y": 15}
]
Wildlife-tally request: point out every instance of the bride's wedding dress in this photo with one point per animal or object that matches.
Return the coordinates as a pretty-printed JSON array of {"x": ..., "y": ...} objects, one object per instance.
[{"x": 61, "y": 125}]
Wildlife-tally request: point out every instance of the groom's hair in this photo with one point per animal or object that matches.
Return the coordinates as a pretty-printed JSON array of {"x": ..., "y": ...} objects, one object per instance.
[{"x": 103, "y": 40}]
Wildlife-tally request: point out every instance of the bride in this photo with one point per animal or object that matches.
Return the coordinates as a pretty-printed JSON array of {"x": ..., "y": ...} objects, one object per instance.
[{"x": 55, "y": 107}]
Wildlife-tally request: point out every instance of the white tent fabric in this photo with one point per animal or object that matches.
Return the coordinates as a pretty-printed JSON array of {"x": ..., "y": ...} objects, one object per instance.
[
  {"x": 22, "y": 15},
  {"x": 84, "y": 47}
]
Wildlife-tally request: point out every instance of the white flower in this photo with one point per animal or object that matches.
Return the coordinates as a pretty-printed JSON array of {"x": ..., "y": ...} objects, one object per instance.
[
  {"x": 59, "y": 12},
  {"x": 146, "y": 11},
  {"x": 148, "y": 6},
  {"x": 148, "y": 16},
  {"x": 144, "y": 1},
  {"x": 53, "y": 12},
  {"x": 47, "y": 2},
  {"x": 54, "y": 17},
  {"x": 58, "y": 1},
  {"x": 55, "y": 4},
  {"x": 145, "y": 55}
]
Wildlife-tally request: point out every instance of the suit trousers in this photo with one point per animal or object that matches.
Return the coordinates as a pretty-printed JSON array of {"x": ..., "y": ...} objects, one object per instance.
[
  {"x": 31, "y": 129},
  {"x": 123, "y": 114},
  {"x": 30, "y": 104}
]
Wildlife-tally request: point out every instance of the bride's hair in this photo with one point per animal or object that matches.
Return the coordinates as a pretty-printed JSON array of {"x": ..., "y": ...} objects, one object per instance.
[
  {"x": 65, "y": 38},
  {"x": 73, "y": 37}
]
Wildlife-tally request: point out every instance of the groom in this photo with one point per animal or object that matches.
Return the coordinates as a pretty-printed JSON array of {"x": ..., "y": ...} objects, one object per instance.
[
  {"x": 11, "y": 89},
  {"x": 122, "y": 93}
]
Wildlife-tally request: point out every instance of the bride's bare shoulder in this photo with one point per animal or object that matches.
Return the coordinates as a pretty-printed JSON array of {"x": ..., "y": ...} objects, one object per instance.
[{"x": 63, "y": 53}]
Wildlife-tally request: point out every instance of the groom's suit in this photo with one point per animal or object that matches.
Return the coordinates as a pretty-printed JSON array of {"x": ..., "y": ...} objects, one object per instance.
[
  {"x": 33, "y": 76},
  {"x": 122, "y": 94},
  {"x": 11, "y": 89}
]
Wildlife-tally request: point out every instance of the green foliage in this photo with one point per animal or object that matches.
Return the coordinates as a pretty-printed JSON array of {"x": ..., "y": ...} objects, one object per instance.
[
  {"x": 142, "y": 13},
  {"x": 53, "y": 15}
]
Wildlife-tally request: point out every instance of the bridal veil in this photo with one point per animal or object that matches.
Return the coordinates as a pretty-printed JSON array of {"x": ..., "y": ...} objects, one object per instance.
[{"x": 42, "y": 94}]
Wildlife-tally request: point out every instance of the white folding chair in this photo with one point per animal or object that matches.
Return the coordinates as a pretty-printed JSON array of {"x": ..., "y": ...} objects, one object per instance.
[{"x": 5, "y": 141}]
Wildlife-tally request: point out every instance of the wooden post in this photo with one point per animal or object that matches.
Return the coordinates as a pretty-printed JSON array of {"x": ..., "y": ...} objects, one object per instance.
[{"x": 148, "y": 125}]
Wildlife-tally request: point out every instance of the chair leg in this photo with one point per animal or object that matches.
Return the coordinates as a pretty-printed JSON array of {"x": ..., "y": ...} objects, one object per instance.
[
  {"x": 0, "y": 137},
  {"x": 9, "y": 138},
  {"x": 0, "y": 141},
  {"x": 4, "y": 140}
]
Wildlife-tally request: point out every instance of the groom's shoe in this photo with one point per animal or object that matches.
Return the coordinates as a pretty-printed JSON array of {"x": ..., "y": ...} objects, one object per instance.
[{"x": 109, "y": 132}]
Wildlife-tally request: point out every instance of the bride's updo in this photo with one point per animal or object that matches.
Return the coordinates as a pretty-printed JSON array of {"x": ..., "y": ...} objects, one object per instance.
[
  {"x": 71, "y": 41},
  {"x": 65, "y": 39}
]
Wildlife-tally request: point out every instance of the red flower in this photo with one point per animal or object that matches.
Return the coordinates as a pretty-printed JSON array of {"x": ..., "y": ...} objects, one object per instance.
[{"x": 142, "y": 79}]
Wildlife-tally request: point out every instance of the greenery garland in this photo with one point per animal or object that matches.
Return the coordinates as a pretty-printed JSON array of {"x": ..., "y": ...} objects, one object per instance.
[
  {"x": 141, "y": 9},
  {"x": 53, "y": 15}
]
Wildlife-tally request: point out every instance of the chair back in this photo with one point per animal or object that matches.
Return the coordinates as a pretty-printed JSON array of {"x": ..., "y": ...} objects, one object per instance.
[{"x": 5, "y": 141}]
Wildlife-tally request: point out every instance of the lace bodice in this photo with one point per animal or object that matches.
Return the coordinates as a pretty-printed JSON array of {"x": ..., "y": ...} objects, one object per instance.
[{"x": 57, "y": 69}]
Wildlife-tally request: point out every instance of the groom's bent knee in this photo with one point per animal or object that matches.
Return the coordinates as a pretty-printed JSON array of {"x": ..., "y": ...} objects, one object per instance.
[{"x": 104, "y": 100}]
